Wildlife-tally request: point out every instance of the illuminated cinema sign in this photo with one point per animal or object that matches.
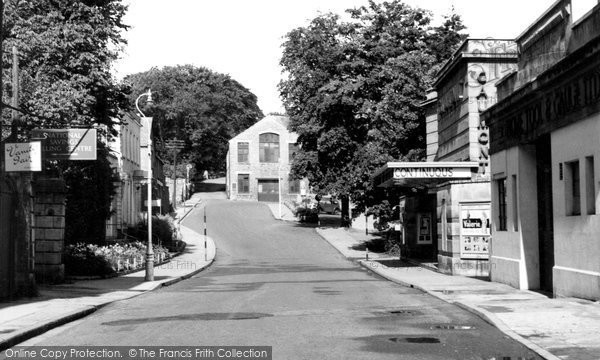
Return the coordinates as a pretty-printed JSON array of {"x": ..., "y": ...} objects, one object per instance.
[
  {"x": 67, "y": 144},
  {"x": 431, "y": 172}
]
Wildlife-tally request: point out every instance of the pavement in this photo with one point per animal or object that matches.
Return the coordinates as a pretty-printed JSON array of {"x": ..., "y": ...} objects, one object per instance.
[
  {"x": 59, "y": 304},
  {"x": 555, "y": 328},
  {"x": 281, "y": 212}
]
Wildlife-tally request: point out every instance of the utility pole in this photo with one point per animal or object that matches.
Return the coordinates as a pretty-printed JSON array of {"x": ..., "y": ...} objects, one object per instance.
[{"x": 176, "y": 146}]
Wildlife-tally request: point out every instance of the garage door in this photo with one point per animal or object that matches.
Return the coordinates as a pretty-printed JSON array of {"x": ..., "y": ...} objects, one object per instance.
[{"x": 268, "y": 190}]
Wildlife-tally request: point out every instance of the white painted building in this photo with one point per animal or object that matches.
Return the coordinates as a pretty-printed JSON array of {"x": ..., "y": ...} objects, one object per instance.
[{"x": 545, "y": 158}]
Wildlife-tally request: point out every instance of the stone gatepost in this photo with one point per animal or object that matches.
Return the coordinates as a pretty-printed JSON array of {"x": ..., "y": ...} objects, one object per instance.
[{"x": 49, "y": 230}]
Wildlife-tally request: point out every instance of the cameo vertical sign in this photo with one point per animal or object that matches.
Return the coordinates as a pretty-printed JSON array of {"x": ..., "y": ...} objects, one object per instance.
[
  {"x": 67, "y": 144},
  {"x": 23, "y": 156}
]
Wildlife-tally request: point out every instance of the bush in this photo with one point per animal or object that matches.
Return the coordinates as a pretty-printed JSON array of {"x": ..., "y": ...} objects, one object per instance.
[
  {"x": 305, "y": 210},
  {"x": 163, "y": 230}
]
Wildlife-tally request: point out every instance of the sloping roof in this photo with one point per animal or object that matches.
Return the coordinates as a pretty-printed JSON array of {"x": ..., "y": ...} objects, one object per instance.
[{"x": 277, "y": 120}]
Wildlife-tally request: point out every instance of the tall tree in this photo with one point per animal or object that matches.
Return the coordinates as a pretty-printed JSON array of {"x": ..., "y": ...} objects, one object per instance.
[
  {"x": 199, "y": 106},
  {"x": 353, "y": 90},
  {"x": 66, "y": 48}
]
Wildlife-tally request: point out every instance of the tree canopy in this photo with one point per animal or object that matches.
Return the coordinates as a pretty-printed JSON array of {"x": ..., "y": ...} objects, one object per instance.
[
  {"x": 197, "y": 105},
  {"x": 353, "y": 89},
  {"x": 65, "y": 51},
  {"x": 66, "y": 48}
]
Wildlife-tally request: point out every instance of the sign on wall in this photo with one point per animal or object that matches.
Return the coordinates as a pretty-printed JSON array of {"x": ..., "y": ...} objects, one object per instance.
[
  {"x": 67, "y": 144},
  {"x": 425, "y": 236},
  {"x": 23, "y": 156},
  {"x": 475, "y": 224}
]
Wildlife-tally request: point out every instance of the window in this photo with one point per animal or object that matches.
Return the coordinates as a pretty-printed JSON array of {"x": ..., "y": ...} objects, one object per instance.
[
  {"x": 572, "y": 186},
  {"x": 590, "y": 181},
  {"x": 292, "y": 149},
  {"x": 242, "y": 148},
  {"x": 515, "y": 203},
  {"x": 268, "y": 148},
  {"x": 501, "y": 186},
  {"x": 294, "y": 186},
  {"x": 243, "y": 183}
]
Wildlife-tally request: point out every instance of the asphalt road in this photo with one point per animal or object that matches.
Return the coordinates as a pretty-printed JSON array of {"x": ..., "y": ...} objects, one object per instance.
[{"x": 279, "y": 284}]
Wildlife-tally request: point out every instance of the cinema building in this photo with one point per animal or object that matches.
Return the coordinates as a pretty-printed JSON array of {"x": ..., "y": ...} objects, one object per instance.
[
  {"x": 545, "y": 153},
  {"x": 445, "y": 208}
]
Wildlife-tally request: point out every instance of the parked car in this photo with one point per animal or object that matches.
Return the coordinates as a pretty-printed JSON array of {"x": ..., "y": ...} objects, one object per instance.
[{"x": 329, "y": 204}]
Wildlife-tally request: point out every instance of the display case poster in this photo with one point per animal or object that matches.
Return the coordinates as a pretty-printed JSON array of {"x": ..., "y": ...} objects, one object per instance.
[
  {"x": 475, "y": 222},
  {"x": 424, "y": 227}
]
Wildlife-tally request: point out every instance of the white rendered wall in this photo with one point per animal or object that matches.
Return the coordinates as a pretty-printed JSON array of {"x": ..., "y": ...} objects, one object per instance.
[{"x": 576, "y": 238}]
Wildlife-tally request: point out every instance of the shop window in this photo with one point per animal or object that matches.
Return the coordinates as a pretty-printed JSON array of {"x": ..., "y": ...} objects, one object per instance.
[
  {"x": 572, "y": 188},
  {"x": 590, "y": 183},
  {"x": 294, "y": 186},
  {"x": 515, "y": 204},
  {"x": 501, "y": 187},
  {"x": 292, "y": 149},
  {"x": 268, "y": 148},
  {"x": 243, "y": 150},
  {"x": 243, "y": 183}
]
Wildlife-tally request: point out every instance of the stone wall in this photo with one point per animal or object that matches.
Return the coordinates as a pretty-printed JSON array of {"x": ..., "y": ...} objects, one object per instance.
[{"x": 49, "y": 230}]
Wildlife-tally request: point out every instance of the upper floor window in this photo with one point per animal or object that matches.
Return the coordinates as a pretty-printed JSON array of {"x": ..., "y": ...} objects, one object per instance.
[
  {"x": 292, "y": 149},
  {"x": 242, "y": 148},
  {"x": 268, "y": 147}
]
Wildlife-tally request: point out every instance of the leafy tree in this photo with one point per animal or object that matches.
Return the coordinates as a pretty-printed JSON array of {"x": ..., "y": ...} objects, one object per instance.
[
  {"x": 65, "y": 50},
  {"x": 197, "y": 105},
  {"x": 353, "y": 90}
]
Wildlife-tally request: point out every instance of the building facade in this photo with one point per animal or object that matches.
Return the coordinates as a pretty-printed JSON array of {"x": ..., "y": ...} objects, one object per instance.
[
  {"x": 545, "y": 152},
  {"x": 258, "y": 163},
  {"x": 126, "y": 161},
  {"x": 446, "y": 207},
  {"x": 160, "y": 192}
]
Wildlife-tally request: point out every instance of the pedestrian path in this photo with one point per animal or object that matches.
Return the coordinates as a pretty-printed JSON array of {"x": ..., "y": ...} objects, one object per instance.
[
  {"x": 60, "y": 304},
  {"x": 564, "y": 328},
  {"x": 281, "y": 212}
]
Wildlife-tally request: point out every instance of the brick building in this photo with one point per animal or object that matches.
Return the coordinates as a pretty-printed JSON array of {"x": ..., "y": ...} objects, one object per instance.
[{"x": 258, "y": 162}]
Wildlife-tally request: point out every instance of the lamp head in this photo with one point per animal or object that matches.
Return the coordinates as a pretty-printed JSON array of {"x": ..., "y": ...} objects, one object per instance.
[{"x": 149, "y": 101}]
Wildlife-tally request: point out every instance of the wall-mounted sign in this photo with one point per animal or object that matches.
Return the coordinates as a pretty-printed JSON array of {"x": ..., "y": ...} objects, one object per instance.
[
  {"x": 425, "y": 236},
  {"x": 23, "y": 156},
  {"x": 67, "y": 144},
  {"x": 431, "y": 172},
  {"x": 475, "y": 231},
  {"x": 157, "y": 202}
]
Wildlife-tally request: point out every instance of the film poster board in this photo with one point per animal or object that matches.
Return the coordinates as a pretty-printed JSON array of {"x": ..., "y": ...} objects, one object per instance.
[
  {"x": 424, "y": 236},
  {"x": 475, "y": 222}
]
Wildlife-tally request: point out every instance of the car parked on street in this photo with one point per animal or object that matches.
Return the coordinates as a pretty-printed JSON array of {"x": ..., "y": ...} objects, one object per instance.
[{"x": 329, "y": 204}]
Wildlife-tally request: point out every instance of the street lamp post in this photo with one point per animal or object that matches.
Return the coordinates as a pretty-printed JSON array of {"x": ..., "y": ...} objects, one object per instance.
[
  {"x": 188, "y": 167},
  {"x": 147, "y": 121}
]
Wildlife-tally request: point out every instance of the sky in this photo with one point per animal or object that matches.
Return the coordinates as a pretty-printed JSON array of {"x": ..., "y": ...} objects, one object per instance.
[{"x": 243, "y": 38}]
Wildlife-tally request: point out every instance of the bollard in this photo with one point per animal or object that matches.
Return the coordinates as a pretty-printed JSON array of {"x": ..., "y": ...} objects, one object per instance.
[{"x": 205, "y": 245}]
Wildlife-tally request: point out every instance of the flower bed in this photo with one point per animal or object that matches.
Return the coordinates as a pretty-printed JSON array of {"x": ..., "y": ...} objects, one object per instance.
[{"x": 93, "y": 260}]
